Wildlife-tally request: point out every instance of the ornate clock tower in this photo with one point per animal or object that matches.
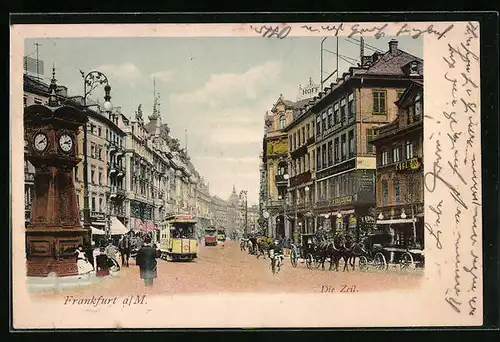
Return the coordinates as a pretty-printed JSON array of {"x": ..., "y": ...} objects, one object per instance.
[{"x": 55, "y": 230}]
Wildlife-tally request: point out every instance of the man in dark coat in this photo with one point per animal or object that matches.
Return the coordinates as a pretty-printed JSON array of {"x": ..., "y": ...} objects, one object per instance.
[{"x": 146, "y": 259}]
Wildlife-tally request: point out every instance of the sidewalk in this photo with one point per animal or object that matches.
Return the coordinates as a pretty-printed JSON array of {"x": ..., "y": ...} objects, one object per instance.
[{"x": 54, "y": 284}]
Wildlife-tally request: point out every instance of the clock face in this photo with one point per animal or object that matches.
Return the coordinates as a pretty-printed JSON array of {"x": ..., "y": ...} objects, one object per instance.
[
  {"x": 40, "y": 142},
  {"x": 65, "y": 142}
]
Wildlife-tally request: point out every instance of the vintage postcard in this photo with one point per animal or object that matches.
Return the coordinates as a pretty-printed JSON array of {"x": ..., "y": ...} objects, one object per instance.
[{"x": 246, "y": 175}]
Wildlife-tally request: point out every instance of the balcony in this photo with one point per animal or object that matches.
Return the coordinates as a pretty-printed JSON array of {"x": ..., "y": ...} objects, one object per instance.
[
  {"x": 280, "y": 180},
  {"x": 116, "y": 169},
  {"x": 304, "y": 177},
  {"x": 116, "y": 193},
  {"x": 113, "y": 147},
  {"x": 299, "y": 152}
]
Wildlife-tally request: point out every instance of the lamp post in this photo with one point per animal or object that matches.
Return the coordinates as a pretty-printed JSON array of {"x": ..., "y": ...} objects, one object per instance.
[
  {"x": 90, "y": 81},
  {"x": 286, "y": 176},
  {"x": 339, "y": 218},
  {"x": 306, "y": 189}
]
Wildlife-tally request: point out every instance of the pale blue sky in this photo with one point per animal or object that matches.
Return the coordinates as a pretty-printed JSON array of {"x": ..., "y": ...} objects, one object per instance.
[{"x": 217, "y": 88}]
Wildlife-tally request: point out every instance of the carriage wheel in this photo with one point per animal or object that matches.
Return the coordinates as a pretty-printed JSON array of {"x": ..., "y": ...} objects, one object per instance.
[
  {"x": 309, "y": 260},
  {"x": 317, "y": 262},
  {"x": 293, "y": 257},
  {"x": 363, "y": 263},
  {"x": 380, "y": 262},
  {"x": 406, "y": 262}
]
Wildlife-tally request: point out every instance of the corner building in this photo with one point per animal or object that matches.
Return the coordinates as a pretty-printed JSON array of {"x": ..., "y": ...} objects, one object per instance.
[
  {"x": 400, "y": 177},
  {"x": 346, "y": 114}
]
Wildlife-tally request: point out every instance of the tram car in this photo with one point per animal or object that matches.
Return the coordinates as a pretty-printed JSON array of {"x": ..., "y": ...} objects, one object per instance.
[
  {"x": 221, "y": 234},
  {"x": 178, "y": 239},
  {"x": 210, "y": 236}
]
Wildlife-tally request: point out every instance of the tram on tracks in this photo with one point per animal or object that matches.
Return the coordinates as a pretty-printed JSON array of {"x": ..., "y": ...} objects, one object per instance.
[{"x": 178, "y": 239}]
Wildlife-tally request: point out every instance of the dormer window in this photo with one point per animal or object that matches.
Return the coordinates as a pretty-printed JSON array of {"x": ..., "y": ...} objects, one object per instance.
[
  {"x": 414, "y": 69},
  {"x": 281, "y": 122}
]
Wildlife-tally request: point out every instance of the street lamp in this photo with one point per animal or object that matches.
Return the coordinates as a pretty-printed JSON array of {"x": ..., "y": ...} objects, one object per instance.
[
  {"x": 306, "y": 189},
  {"x": 380, "y": 216},
  {"x": 90, "y": 81}
]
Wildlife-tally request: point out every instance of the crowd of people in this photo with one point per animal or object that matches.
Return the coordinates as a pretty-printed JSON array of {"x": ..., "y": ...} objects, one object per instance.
[{"x": 103, "y": 259}]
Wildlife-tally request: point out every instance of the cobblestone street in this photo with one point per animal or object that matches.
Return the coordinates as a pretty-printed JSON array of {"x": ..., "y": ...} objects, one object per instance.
[{"x": 229, "y": 269}]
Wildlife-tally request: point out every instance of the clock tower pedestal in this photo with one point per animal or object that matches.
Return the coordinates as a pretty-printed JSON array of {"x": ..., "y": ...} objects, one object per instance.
[{"x": 55, "y": 231}]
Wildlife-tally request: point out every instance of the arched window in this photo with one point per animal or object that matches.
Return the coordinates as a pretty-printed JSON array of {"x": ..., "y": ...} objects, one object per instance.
[{"x": 281, "y": 123}]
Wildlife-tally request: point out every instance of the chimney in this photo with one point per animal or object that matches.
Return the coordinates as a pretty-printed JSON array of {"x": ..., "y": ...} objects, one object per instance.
[
  {"x": 366, "y": 61},
  {"x": 393, "y": 46}
]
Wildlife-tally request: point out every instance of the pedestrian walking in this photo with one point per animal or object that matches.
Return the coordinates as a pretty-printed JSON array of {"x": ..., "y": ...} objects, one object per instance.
[
  {"x": 146, "y": 259},
  {"x": 124, "y": 248},
  {"x": 82, "y": 262},
  {"x": 103, "y": 263},
  {"x": 111, "y": 253}
]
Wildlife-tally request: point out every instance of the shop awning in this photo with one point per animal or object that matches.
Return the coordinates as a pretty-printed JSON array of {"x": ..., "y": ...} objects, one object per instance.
[
  {"x": 96, "y": 231},
  {"x": 117, "y": 228},
  {"x": 396, "y": 221},
  {"x": 149, "y": 226}
]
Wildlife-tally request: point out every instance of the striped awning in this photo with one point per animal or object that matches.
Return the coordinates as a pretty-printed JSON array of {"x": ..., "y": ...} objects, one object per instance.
[
  {"x": 139, "y": 225},
  {"x": 145, "y": 226},
  {"x": 150, "y": 226}
]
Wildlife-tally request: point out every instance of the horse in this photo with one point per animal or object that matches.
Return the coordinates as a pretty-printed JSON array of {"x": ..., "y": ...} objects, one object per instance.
[
  {"x": 357, "y": 250},
  {"x": 243, "y": 244},
  {"x": 335, "y": 248}
]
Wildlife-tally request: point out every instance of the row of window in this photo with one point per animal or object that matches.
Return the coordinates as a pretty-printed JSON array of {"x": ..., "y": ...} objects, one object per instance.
[
  {"x": 413, "y": 191},
  {"x": 339, "y": 186},
  {"x": 338, "y": 112},
  {"x": 110, "y": 135},
  {"x": 335, "y": 151},
  {"x": 397, "y": 154},
  {"x": 300, "y": 137}
]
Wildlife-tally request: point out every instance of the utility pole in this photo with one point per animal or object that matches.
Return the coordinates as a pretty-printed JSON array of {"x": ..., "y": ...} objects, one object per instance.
[
  {"x": 37, "y": 60},
  {"x": 323, "y": 80}
]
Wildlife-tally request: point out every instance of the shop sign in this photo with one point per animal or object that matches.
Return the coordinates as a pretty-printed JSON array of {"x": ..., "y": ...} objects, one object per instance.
[
  {"x": 409, "y": 165},
  {"x": 368, "y": 219},
  {"x": 277, "y": 147},
  {"x": 350, "y": 164},
  {"x": 308, "y": 91},
  {"x": 342, "y": 200}
]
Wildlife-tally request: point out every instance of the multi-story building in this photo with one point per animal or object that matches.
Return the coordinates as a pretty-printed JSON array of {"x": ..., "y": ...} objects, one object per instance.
[
  {"x": 106, "y": 189},
  {"x": 346, "y": 115},
  {"x": 301, "y": 161},
  {"x": 275, "y": 151},
  {"x": 139, "y": 164},
  {"x": 219, "y": 212},
  {"x": 400, "y": 180}
]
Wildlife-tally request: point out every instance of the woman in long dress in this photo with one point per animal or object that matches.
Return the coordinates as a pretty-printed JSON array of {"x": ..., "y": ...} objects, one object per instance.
[{"x": 84, "y": 266}]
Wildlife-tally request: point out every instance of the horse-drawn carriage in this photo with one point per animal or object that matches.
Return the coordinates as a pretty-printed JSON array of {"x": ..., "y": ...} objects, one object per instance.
[
  {"x": 379, "y": 251},
  {"x": 310, "y": 250}
]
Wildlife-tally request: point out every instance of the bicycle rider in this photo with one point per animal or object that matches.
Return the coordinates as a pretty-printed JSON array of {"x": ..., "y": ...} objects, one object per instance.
[{"x": 277, "y": 247}]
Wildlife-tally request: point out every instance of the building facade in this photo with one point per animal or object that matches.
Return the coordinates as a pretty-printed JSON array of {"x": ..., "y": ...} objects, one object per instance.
[
  {"x": 346, "y": 114},
  {"x": 301, "y": 163},
  {"x": 275, "y": 151},
  {"x": 400, "y": 179}
]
